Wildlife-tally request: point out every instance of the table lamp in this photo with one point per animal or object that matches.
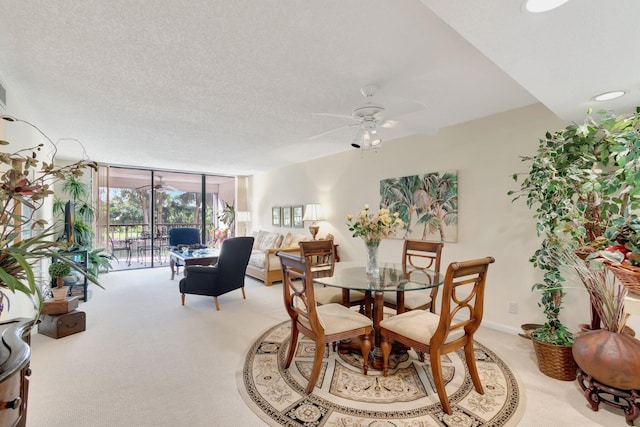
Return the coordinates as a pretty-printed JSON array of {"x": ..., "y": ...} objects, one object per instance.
[
  {"x": 313, "y": 212},
  {"x": 243, "y": 217}
]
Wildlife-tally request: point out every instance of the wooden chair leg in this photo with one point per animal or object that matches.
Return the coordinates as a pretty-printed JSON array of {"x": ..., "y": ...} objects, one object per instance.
[
  {"x": 293, "y": 342},
  {"x": 217, "y": 305},
  {"x": 317, "y": 366},
  {"x": 182, "y": 297},
  {"x": 243, "y": 294},
  {"x": 365, "y": 347},
  {"x": 385, "y": 346},
  {"x": 471, "y": 365},
  {"x": 436, "y": 371}
]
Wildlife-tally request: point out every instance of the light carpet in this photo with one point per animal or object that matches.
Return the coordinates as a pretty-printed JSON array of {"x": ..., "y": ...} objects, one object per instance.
[{"x": 345, "y": 397}]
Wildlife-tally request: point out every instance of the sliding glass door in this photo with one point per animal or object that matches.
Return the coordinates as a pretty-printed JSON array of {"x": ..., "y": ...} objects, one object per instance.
[{"x": 138, "y": 208}]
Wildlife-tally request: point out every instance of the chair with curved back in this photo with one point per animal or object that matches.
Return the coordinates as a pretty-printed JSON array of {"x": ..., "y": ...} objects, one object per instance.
[
  {"x": 417, "y": 255},
  {"x": 322, "y": 255},
  {"x": 463, "y": 297},
  {"x": 226, "y": 276},
  {"x": 321, "y": 323}
]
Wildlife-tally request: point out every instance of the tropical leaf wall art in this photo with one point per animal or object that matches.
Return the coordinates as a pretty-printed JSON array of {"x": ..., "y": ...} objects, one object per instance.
[{"x": 428, "y": 204}]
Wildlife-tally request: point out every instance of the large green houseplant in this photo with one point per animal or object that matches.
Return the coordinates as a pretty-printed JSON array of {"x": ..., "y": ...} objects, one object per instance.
[
  {"x": 25, "y": 238},
  {"x": 78, "y": 192},
  {"x": 584, "y": 186}
]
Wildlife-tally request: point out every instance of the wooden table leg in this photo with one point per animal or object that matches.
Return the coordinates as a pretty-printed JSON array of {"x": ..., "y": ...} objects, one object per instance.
[{"x": 378, "y": 306}]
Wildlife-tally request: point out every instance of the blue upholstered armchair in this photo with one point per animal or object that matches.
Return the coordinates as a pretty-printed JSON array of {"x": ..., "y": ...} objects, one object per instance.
[{"x": 185, "y": 236}]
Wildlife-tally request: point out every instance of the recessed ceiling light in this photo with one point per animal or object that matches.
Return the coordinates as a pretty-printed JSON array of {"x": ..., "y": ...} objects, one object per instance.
[
  {"x": 609, "y": 95},
  {"x": 538, "y": 6}
]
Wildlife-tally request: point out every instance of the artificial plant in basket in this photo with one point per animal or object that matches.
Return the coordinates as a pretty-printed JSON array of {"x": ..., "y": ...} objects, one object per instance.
[{"x": 584, "y": 186}]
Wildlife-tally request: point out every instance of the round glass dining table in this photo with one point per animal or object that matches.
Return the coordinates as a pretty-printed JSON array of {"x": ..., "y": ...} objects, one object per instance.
[{"x": 352, "y": 276}]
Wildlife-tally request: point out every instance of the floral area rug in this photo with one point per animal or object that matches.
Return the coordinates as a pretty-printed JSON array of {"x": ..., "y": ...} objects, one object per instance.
[{"x": 345, "y": 397}]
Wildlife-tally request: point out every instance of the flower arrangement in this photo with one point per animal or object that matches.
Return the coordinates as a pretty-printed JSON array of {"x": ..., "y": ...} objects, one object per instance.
[
  {"x": 374, "y": 226},
  {"x": 24, "y": 240}
]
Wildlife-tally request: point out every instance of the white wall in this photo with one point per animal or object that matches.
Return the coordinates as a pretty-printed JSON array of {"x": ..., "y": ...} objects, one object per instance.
[{"x": 486, "y": 154}]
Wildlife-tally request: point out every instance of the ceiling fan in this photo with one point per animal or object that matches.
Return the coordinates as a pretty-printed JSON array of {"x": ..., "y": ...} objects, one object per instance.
[
  {"x": 370, "y": 118},
  {"x": 160, "y": 186}
]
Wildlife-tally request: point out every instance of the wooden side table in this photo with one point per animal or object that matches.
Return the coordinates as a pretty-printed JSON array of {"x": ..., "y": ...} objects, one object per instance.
[
  {"x": 60, "y": 318},
  {"x": 60, "y": 307}
]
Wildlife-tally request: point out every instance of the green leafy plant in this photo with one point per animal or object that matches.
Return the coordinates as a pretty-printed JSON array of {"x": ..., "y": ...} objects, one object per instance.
[
  {"x": 228, "y": 215},
  {"x": 583, "y": 185},
  {"x": 99, "y": 260},
  {"x": 58, "y": 270},
  {"x": 25, "y": 240}
]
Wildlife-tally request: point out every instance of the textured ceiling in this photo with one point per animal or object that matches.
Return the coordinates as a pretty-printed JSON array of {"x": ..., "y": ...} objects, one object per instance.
[{"x": 230, "y": 87}]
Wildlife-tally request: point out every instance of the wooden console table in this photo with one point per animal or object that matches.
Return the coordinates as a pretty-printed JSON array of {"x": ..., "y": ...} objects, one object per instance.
[{"x": 14, "y": 372}]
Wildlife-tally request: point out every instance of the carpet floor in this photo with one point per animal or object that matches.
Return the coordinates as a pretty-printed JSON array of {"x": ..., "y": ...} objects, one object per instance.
[
  {"x": 147, "y": 361},
  {"x": 344, "y": 396}
]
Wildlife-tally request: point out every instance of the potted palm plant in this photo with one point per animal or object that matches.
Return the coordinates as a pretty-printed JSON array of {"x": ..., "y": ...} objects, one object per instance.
[{"x": 582, "y": 185}]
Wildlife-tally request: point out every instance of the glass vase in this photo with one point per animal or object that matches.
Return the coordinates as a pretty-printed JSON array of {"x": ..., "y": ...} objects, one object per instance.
[{"x": 372, "y": 268}]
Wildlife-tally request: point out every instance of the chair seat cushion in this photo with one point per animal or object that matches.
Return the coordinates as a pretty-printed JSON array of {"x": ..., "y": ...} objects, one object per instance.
[
  {"x": 337, "y": 318},
  {"x": 412, "y": 299},
  {"x": 328, "y": 295},
  {"x": 418, "y": 325}
]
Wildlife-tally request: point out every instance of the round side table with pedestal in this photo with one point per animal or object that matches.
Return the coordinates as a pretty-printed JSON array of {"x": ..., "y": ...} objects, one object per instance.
[{"x": 596, "y": 392}]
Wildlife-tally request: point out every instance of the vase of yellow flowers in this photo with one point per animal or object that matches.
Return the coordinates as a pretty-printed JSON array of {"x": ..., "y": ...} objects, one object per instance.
[{"x": 373, "y": 227}]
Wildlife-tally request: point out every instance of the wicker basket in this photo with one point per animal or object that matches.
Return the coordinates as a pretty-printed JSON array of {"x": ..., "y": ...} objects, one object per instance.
[
  {"x": 628, "y": 275},
  {"x": 555, "y": 361}
]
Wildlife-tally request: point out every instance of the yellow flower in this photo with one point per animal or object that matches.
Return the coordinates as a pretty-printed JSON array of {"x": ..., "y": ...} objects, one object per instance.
[{"x": 349, "y": 217}]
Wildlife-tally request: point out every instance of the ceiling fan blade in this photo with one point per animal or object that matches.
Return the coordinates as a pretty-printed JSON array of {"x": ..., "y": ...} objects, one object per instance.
[
  {"x": 396, "y": 111},
  {"x": 341, "y": 116},
  {"x": 330, "y": 131}
]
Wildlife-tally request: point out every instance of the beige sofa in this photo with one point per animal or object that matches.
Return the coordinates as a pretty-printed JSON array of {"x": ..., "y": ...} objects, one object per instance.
[{"x": 264, "y": 264}]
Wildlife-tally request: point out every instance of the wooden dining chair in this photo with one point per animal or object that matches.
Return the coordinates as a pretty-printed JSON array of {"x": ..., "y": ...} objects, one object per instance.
[
  {"x": 323, "y": 257},
  {"x": 417, "y": 255},
  {"x": 462, "y": 297},
  {"x": 321, "y": 323}
]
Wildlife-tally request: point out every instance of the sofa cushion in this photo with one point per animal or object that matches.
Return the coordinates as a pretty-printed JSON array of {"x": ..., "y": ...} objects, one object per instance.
[
  {"x": 257, "y": 258},
  {"x": 296, "y": 239},
  {"x": 288, "y": 238},
  {"x": 271, "y": 240}
]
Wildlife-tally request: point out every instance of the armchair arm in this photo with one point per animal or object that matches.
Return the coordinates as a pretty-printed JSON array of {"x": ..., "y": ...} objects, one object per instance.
[{"x": 200, "y": 280}]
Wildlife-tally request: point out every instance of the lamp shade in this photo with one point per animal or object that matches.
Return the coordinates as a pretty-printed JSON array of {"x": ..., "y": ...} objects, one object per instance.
[
  {"x": 243, "y": 216},
  {"x": 313, "y": 212}
]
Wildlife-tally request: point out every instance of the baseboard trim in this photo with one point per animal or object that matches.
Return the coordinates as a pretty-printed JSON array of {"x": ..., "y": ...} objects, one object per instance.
[{"x": 500, "y": 327}]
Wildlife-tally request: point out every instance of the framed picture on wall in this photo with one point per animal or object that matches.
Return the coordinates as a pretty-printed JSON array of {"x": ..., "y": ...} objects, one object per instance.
[
  {"x": 286, "y": 216},
  {"x": 275, "y": 216},
  {"x": 297, "y": 216}
]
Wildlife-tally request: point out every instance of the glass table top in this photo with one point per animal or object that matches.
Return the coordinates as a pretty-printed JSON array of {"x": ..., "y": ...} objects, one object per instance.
[
  {"x": 196, "y": 253},
  {"x": 351, "y": 275}
]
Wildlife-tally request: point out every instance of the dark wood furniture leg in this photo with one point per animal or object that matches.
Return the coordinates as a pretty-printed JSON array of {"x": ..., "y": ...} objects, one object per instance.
[{"x": 595, "y": 392}]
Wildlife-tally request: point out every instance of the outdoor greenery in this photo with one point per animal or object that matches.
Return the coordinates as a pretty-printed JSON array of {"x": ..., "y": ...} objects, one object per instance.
[
  {"x": 584, "y": 187},
  {"x": 130, "y": 206}
]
